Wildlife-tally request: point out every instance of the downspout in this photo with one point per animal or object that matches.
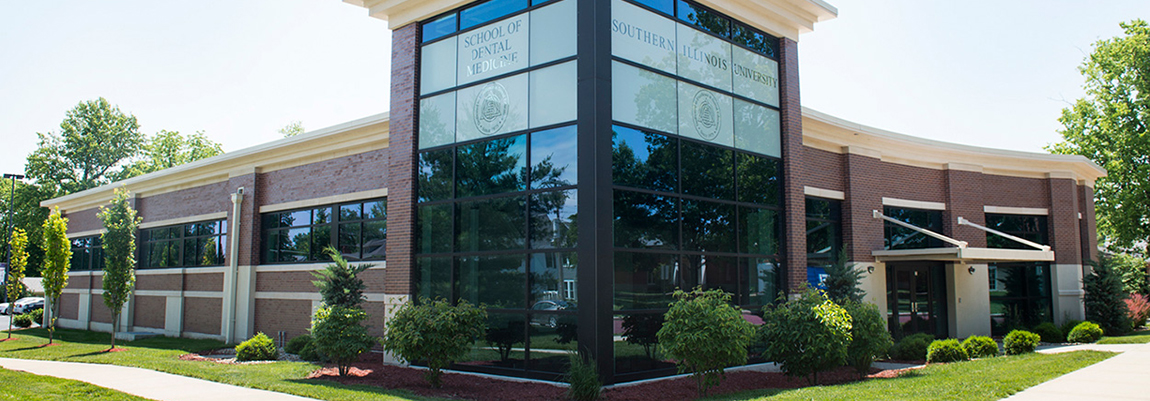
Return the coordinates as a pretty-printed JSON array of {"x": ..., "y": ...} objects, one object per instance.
[{"x": 234, "y": 263}]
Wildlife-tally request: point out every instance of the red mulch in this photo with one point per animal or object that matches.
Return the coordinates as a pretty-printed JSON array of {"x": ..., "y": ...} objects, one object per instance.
[
  {"x": 477, "y": 388},
  {"x": 115, "y": 349},
  {"x": 55, "y": 344},
  {"x": 8, "y": 339}
]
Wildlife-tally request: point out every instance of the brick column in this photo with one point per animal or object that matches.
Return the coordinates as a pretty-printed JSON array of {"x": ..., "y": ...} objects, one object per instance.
[
  {"x": 964, "y": 192},
  {"x": 1064, "y": 227},
  {"x": 401, "y": 164},
  {"x": 1089, "y": 224},
  {"x": 862, "y": 233},
  {"x": 794, "y": 252}
]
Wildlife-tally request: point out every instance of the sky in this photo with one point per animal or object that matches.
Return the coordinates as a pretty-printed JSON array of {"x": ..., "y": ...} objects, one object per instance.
[{"x": 976, "y": 72}]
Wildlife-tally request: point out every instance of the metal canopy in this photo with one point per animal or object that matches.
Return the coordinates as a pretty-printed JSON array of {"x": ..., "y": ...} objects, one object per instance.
[{"x": 962, "y": 253}]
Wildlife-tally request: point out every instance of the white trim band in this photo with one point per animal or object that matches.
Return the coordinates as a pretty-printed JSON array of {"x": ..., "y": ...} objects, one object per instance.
[
  {"x": 325, "y": 200},
  {"x": 184, "y": 220},
  {"x": 824, "y": 193},
  {"x": 913, "y": 204},
  {"x": 1029, "y": 211}
]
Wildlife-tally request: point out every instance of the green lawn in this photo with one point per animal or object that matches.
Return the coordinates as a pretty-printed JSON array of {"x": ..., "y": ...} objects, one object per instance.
[
  {"x": 160, "y": 354},
  {"x": 26, "y": 386},
  {"x": 1137, "y": 337},
  {"x": 983, "y": 379}
]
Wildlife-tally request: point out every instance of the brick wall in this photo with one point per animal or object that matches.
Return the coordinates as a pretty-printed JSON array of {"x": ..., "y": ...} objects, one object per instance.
[
  {"x": 1089, "y": 224},
  {"x": 862, "y": 233},
  {"x": 402, "y": 162},
  {"x": 204, "y": 199},
  {"x": 822, "y": 169},
  {"x": 249, "y": 238},
  {"x": 791, "y": 115},
  {"x": 83, "y": 220},
  {"x": 70, "y": 306},
  {"x": 159, "y": 282},
  {"x": 964, "y": 193},
  {"x": 285, "y": 282},
  {"x": 204, "y": 282},
  {"x": 1016, "y": 191},
  {"x": 275, "y": 315},
  {"x": 355, "y": 173},
  {"x": 202, "y": 315},
  {"x": 149, "y": 311},
  {"x": 100, "y": 312},
  {"x": 1063, "y": 221}
]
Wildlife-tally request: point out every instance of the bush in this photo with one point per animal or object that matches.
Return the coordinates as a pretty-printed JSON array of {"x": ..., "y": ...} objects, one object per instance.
[
  {"x": 1138, "y": 307},
  {"x": 338, "y": 282},
  {"x": 22, "y": 321},
  {"x": 946, "y": 351},
  {"x": 806, "y": 335},
  {"x": 258, "y": 348},
  {"x": 583, "y": 376},
  {"x": 1069, "y": 325},
  {"x": 339, "y": 336},
  {"x": 704, "y": 334},
  {"x": 980, "y": 347},
  {"x": 912, "y": 347},
  {"x": 1049, "y": 333},
  {"x": 1020, "y": 342},
  {"x": 1085, "y": 332},
  {"x": 843, "y": 279},
  {"x": 869, "y": 338},
  {"x": 296, "y": 344},
  {"x": 37, "y": 315},
  {"x": 435, "y": 332},
  {"x": 1105, "y": 299},
  {"x": 308, "y": 353}
]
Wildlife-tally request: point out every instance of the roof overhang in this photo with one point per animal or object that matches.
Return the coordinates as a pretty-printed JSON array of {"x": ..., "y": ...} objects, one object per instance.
[
  {"x": 964, "y": 255},
  {"x": 786, "y": 18}
]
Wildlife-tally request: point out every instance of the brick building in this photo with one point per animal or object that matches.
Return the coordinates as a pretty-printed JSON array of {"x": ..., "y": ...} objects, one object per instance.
[{"x": 569, "y": 163}]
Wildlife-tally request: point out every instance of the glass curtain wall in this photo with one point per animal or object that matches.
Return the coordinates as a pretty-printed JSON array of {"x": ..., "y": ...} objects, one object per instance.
[
  {"x": 1021, "y": 295},
  {"x": 184, "y": 245}
]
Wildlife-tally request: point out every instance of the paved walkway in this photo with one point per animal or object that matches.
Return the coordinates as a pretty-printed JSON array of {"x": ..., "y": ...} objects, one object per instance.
[
  {"x": 1121, "y": 377},
  {"x": 145, "y": 383}
]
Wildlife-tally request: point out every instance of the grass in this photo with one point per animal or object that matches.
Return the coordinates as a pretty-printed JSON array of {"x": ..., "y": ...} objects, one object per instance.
[
  {"x": 160, "y": 353},
  {"x": 983, "y": 379},
  {"x": 1137, "y": 337},
  {"x": 27, "y": 386}
]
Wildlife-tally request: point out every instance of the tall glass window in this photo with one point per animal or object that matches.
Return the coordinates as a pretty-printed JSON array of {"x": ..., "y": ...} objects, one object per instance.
[
  {"x": 185, "y": 245},
  {"x": 358, "y": 230},
  {"x": 824, "y": 231},
  {"x": 1021, "y": 294},
  {"x": 87, "y": 253},
  {"x": 899, "y": 237}
]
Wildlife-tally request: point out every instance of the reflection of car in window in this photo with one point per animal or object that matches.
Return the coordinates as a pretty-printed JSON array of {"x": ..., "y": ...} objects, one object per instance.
[{"x": 547, "y": 305}]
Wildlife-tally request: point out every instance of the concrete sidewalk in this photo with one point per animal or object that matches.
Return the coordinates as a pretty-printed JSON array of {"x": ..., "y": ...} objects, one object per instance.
[
  {"x": 145, "y": 383},
  {"x": 1121, "y": 377}
]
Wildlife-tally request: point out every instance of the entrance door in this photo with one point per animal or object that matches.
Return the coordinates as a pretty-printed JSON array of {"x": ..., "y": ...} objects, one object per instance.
[{"x": 916, "y": 299}]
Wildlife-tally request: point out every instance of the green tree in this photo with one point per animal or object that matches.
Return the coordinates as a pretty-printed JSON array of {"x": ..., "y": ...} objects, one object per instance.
[
  {"x": 119, "y": 239},
  {"x": 843, "y": 281},
  {"x": 1111, "y": 126},
  {"x": 806, "y": 335},
  {"x": 1133, "y": 270},
  {"x": 15, "y": 284},
  {"x": 338, "y": 283},
  {"x": 57, "y": 260},
  {"x": 869, "y": 336},
  {"x": 95, "y": 140},
  {"x": 169, "y": 149},
  {"x": 340, "y": 336},
  {"x": 27, "y": 215},
  {"x": 705, "y": 334},
  {"x": 292, "y": 129},
  {"x": 1105, "y": 300},
  {"x": 434, "y": 332}
]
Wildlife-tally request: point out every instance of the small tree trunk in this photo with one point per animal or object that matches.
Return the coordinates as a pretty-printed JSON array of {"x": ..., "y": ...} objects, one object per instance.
[{"x": 115, "y": 328}]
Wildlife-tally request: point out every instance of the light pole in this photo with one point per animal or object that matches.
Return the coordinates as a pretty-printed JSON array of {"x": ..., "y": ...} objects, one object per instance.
[{"x": 11, "y": 225}]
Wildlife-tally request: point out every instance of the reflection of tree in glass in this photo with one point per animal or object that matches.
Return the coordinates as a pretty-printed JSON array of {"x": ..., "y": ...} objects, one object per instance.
[
  {"x": 496, "y": 281},
  {"x": 762, "y": 43},
  {"x": 503, "y": 332},
  {"x": 705, "y": 19},
  {"x": 491, "y": 224},
  {"x": 491, "y": 167},
  {"x": 645, "y": 221},
  {"x": 657, "y": 170},
  {"x": 435, "y": 170},
  {"x": 708, "y": 226},
  {"x": 656, "y": 103},
  {"x": 642, "y": 330},
  {"x": 758, "y": 179},
  {"x": 210, "y": 252},
  {"x": 433, "y": 129},
  {"x": 548, "y": 225},
  {"x": 708, "y": 171}
]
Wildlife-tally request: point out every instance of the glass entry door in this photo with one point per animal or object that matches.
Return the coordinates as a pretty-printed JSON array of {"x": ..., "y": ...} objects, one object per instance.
[{"x": 916, "y": 299}]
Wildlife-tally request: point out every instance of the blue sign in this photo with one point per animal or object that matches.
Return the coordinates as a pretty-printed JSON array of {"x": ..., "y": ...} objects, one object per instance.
[{"x": 817, "y": 277}]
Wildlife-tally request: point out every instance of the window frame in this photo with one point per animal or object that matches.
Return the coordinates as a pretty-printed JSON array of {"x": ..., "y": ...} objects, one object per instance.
[
  {"x": 145, "y": 239},
  {"x": 334, "y": 223}
]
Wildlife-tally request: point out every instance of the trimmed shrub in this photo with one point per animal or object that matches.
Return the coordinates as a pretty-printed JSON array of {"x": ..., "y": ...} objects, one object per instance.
[
  {"x": 869, "y": 338},
  {"x": 1020, "y": 342},
  {"x": 339, "y": 336},
  {"x": 434, "y": 332},
  {"x": 1069, "y": 325},
  {"x": 258, "y": 348},
  {"x": 948, "y": 350},
  {"x": 37, "y": 315},
  {"x": 704, "y": 334},
  {"x": 806, "y": 335},
  {"x": 1085, "y": 332},
  {"x": 1138, "y": 307},
  {"x": 1049, "y": 333},
  {"x": 22, "y": 321},
  {"x": 980, "y": 347},
  {"x": 296, "y": 344},
  {"x": 912, "y": 347},
  {"x": 583, "y": 376},
  {"x": 308, "y": 353}
]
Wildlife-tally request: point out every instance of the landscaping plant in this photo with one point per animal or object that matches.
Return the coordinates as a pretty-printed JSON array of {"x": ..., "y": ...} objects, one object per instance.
[
  {"x": 434, "y": 332},
  {"x": 583, "y": 376},
  {"x": 980, "y": 347},
  {"x": 19, "y": 260},
  {"x": 1049, "y": 333},
  {"x": 1105, "y": 299},
  {"x": 37, "y": 315},
  {"x": 869, "y": 337},
  {"x": 843, "y": 281},
  {"x": 1068, "y": 325},
  {"x": 57, "y": 259},
  {"x": 912, "y": 347},
  {"x": 948, "y": 350},
  {"x": 340, "y": 336},
  {"x": 339, "y": 283},
  {"x": 1085, "y": 332},
  {"x": 295, "y": 345},
  {"x": 1019, "y": 342},
  {"x": 119, "y": 241},
  {"x": 258, "y": 348},
  {"x": 806, "y": 335},
  {"x": 704, "y": 334},
  {"x": 22, "y": 321},
  {"x": 1138, "y": 307}
]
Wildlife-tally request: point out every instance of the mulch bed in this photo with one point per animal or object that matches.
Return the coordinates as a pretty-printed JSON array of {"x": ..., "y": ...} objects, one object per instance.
[{"x": 470, "y": 387}]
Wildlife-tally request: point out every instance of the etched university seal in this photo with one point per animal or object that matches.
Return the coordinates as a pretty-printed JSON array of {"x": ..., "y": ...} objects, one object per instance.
[
  {"x": 491, "y": 105},
  {"x": 706, "y": 115}
]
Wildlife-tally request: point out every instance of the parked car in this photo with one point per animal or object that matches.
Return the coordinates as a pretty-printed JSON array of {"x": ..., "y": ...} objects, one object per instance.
[
  {"x": 4, "y": 308},
  {"x": 24, "y": 305},
  {"x": 548, "y": 305}
]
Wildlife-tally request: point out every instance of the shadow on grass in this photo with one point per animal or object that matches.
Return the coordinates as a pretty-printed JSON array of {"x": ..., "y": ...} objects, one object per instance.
[
  {"x": 97, "y": 338},
  {"x": 328, "y": 384}
]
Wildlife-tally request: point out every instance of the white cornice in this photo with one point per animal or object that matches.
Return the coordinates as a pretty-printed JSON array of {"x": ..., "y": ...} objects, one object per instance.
[
  {"x": 353, "y": 137},
  {"x": 833, "y": 134},
  {"x": 787, "y": 18}
]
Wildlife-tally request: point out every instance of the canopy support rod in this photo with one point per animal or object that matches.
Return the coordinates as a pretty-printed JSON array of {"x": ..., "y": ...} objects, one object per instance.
[
  {"x": 949, "y": 240},
  {"x": 965, "y": 222}
]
